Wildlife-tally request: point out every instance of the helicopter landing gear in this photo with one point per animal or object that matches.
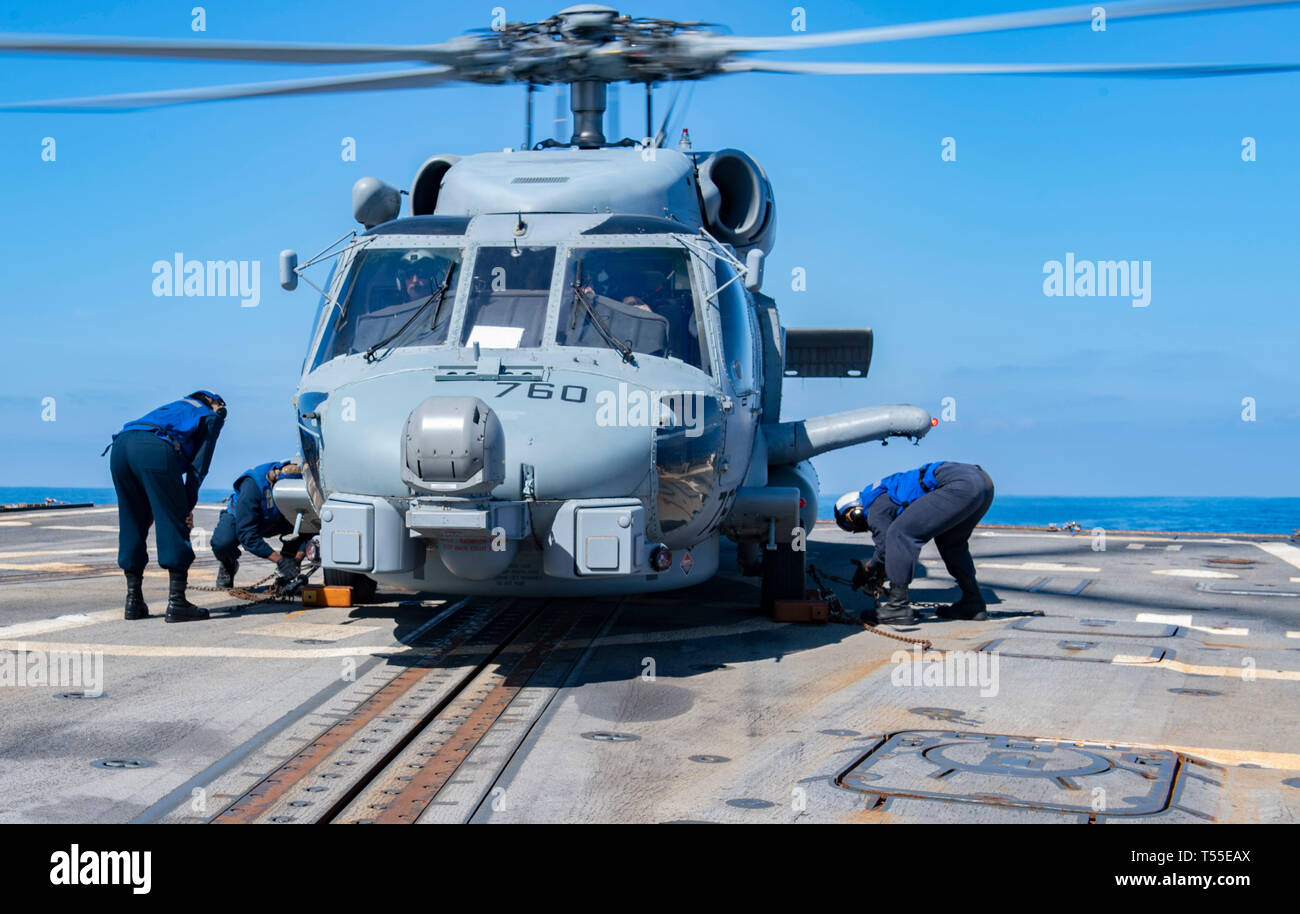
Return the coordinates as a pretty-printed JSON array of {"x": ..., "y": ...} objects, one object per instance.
[
  {"x": 784, "y": 570},
  {"x": 363, "y": 588},
  {"x": 749, "y": 558}
]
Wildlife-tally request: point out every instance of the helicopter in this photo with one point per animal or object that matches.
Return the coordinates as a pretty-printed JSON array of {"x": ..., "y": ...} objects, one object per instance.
[{"x": 558, "y": 374}]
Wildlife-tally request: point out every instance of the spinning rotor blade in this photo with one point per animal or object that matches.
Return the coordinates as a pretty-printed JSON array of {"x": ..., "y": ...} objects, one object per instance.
[
  {"x": 448, "y": 52},
  {"x": 402, "y": 79},
  {"x": 1000, "y": 22},
  {"x": 1008, "y": 69},
  {"x": 595, "y": 45}
]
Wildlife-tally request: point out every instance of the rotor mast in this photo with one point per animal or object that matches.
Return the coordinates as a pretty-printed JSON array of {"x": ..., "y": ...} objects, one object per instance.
[
  {"x": 587, "y": 100},
  {"x": 588, "y": 95}
]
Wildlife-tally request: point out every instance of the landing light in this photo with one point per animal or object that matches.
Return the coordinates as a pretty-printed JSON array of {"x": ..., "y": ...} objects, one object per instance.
[{"x": 661, "y": 558}]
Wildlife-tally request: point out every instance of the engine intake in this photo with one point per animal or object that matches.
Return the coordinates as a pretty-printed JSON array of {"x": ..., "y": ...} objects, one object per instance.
[
  {"x": 428, "y": 184},
  {"x": 739, "y": 207}
]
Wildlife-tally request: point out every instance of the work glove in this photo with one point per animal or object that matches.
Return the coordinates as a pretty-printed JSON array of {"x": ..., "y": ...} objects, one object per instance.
[
  {"x": 286, "y": 569},
  {"x": 870, "y": 578}
]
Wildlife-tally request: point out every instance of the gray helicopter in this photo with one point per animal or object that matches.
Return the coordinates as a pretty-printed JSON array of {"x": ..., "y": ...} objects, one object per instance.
[{"x": 558, "y": 374}]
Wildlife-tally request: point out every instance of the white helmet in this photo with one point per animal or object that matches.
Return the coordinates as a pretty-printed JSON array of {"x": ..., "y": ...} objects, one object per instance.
[
  {"x": 843, "y": 506},
  {"x": 416, "y": 262}
]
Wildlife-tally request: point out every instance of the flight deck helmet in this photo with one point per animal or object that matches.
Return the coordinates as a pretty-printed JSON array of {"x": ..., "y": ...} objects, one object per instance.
[
  {"x": 416, "y": 264},
  {"x": 849, "y": 513},
  {"x": 214, "y": 402}
]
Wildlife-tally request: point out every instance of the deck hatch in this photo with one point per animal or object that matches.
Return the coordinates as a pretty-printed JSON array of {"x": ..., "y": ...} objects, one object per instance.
[
  {"x": 1062, "y": 625},
  {"x": 1103, "y": 650},
  {"x": 1089, "y": 779}
]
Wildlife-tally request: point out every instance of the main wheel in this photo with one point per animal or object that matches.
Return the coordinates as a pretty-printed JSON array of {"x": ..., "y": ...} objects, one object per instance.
[
  {"x": 784, "y": 571},
  {"x": 363, "y": 588}
]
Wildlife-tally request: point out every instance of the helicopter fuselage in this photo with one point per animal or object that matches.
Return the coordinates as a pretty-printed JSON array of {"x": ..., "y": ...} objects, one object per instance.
[
  {"x": 555, "y": 380},
  {"x": 641, "y": 450}
]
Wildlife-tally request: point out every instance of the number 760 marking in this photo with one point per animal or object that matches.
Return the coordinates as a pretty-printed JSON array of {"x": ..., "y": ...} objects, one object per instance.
[{"x": 542, "y": 390}]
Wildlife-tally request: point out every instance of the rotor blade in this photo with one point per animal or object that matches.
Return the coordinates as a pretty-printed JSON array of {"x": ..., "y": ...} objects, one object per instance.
[
  {"x": 267, "y": 52},
  {"x": 999, "y": 22},
  {"x": 401, "y": 79},
  {"x": 1007, "y": 69}
]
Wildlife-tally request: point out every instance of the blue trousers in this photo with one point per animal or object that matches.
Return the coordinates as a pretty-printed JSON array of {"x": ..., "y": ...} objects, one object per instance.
[
  {"x": 947, "y": 515},
  {"x": 225, "y": 542},
  {"x": 225, "y": 539},
  {"x": 150, "y": 484}
]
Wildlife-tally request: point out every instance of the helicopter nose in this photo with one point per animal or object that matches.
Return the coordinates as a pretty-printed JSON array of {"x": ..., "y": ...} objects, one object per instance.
[{"x": 453, "y": 446}]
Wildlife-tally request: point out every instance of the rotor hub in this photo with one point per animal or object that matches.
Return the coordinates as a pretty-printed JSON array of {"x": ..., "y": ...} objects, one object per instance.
[{"x": 589, "y": 21}]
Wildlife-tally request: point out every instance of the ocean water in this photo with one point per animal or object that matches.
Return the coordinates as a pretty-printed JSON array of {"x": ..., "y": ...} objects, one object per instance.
[
  {"x": 1214, "y": 515},
  {"x": 18, "y": 494}
]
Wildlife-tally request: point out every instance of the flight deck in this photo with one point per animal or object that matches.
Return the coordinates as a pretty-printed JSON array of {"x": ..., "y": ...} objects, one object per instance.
[{"x": 1154, "y": 680}]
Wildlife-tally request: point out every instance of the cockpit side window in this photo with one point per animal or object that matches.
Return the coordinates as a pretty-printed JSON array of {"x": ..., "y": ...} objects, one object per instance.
[
  {"x": 739, "y": 327},
  {"x": 508, "y": 297},
  {"x": 392, "y": 298},
  {"x": 638, "y": 297},
  {"x": 323, "y": 312}
]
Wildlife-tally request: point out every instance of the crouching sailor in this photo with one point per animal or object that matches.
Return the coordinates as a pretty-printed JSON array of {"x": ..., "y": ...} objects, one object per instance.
[
  {"x": 250, "y": 517},
  {"x": 941, "y": 501},
  {"x": 158, "y": 463}
]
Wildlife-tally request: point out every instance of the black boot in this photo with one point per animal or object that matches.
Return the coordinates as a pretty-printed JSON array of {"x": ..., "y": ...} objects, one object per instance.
[
  {"x": 135, "y": 605},
  {"x": 226, "y": 574},
  {"x": 970, "y": 607},
  {"x": 897, "y": 610},
  {"x": 180, "y": 609}
]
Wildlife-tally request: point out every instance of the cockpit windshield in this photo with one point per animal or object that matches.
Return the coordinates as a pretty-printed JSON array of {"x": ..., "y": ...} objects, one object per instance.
[
  {"x": 508, "y": 297},
  {"x": 392, "y": 297},
  {"x": 632, "y": 300}
]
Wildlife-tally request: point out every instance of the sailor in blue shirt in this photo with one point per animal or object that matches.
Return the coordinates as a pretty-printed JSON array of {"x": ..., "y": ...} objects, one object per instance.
[
  {"x": 250, "y": 517},
  {"x": 158, "y": 464},
  {"x": 941, "y": 501}
]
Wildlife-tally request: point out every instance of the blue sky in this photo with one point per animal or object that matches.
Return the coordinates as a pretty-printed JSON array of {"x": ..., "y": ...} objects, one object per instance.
[{"x": 1081, "y": 396}]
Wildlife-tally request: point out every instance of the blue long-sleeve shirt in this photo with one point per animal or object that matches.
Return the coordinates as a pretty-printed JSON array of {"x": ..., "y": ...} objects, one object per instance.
[
  {"x": 208, "y": 431},
  {"x": 252, "y": 526}
]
